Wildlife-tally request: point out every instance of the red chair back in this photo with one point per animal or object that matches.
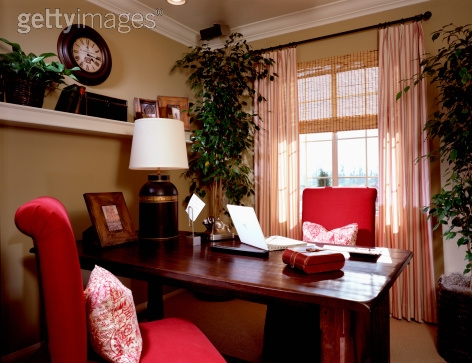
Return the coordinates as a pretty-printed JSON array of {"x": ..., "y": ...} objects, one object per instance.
[
  {"x": 334, "y": 207},
  {"x": 46, "y": 221}
]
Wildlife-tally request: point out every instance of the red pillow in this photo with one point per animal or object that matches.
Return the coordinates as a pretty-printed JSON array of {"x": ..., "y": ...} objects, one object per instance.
[{"x": 346, "y": 235}]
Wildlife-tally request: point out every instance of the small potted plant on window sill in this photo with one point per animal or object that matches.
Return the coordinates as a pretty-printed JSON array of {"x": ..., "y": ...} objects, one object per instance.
[
  {"x": 450, "y": 70},
  {"x": 27, "y": 76}
]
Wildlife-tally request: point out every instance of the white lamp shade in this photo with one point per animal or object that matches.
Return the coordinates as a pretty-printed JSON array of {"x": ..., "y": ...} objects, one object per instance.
[{"x": 158, "y": 143}]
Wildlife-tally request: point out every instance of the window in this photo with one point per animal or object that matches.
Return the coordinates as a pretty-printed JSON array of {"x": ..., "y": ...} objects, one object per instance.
[{"x": 338, "y": 121}]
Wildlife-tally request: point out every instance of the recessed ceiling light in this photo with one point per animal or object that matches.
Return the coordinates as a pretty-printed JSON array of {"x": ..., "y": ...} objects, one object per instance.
[{"x": 176, "y": 2}]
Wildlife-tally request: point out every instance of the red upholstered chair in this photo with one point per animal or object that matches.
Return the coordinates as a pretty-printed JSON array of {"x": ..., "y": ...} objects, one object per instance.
[
  {"x": 46, "y": 220},
  {"x": 334, "y": 207}
]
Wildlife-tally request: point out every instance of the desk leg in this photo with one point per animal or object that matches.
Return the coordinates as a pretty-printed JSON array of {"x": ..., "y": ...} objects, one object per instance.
[
  {"x": 337, "y": 341},
  {"x": 155, "y": 305},
  {"x": 352, "y": 336},
  {"x": 380, "y": 331}
]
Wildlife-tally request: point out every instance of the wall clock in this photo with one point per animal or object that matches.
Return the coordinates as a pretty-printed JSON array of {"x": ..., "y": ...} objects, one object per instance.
[{"x": 82, "y": 46}]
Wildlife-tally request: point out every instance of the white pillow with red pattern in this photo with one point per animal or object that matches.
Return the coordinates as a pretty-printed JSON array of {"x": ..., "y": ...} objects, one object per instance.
[
  {"x": 113, "y": 327},
  {"x": 313, "y": 232}
]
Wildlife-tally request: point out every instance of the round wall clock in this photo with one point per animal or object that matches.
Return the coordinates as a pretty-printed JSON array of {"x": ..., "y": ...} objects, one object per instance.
[{"x": 82, "y": 46}]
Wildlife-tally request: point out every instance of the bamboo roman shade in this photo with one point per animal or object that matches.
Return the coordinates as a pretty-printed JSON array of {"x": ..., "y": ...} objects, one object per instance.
[{"x": 338, "y": 93}]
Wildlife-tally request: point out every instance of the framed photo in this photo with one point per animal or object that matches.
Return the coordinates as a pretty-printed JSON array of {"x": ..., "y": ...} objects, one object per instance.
[
  {"x": 176, "y": 108},
  {"x": 110, "y": 218},
  {"x": 145, "y": 108}
]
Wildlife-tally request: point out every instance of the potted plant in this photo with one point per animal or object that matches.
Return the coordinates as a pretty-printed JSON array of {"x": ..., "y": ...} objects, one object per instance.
[
  {"x": 450, "y": 70},
  {"x": 27, "y": 76},
  {"x": 223, "y": 83}
]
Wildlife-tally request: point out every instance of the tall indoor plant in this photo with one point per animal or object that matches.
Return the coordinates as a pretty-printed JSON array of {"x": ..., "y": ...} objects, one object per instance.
[
  {"x": 450, "y": 70},
  {"x": 223, "y": 84},
  {"x": 27, "y": 76}
]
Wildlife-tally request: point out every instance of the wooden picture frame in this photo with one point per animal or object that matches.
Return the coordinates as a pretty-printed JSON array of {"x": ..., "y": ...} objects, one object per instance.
[
  {"x": 110, "y": 218},
  {"x": 168, "y": 107},
  {"x": 145, "y": 108}
]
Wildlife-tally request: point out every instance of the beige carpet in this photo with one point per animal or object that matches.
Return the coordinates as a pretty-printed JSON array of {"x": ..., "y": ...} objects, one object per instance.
[{"x": 236, "y": 327}]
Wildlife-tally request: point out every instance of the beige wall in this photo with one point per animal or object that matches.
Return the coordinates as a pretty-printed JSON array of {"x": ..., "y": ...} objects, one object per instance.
[{"x": 66, "y": 165}]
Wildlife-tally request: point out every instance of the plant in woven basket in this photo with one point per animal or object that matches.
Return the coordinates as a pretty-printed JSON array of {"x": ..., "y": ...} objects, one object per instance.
[
  {"x": 17, "y": 66},
  {"x": 223, "y": 82},
  {"x": 450, "y": 70}
]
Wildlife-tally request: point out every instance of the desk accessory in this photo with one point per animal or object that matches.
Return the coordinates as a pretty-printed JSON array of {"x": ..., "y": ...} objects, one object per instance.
[
  {"x": 355, "y": 252},
  {"x": 315, "y": 261},
  {"x": 217, "y": 230},
  {"x": 192, "y": 239},
  {"x": 158, "y": 143},
  {"x": 111, "y": 221},
  {"x": 195, "y": 206},
  {"x": 370, "y": 255},
  {"x": 235, "y": 247}
]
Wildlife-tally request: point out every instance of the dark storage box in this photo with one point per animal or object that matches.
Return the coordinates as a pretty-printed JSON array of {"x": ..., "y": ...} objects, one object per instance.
[
  {"x": 105, "y": 107},
  {"x": 74, "y": 99}
]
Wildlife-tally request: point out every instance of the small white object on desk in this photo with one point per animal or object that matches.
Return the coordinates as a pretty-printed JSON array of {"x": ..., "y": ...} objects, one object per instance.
[{"x": 195, "y": 206}]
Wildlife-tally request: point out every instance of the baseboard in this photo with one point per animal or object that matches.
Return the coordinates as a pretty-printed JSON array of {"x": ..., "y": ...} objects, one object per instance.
[{"x": 23, "y": 354}]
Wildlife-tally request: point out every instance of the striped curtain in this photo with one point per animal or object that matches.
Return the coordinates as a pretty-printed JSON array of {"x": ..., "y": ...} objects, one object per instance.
[
  {"x": 404, "y": 177},
  {"x": 276, "y": 159}
]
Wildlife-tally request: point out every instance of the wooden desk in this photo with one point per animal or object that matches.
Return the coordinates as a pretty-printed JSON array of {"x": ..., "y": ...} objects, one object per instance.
[{"x": 353, "y": 303}]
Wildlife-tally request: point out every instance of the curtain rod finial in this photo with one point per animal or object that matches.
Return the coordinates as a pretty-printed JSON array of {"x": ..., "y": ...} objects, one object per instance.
[{"x": 427, "y": 15}]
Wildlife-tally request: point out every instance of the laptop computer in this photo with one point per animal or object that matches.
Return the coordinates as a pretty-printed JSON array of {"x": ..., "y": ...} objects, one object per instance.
[{"x": 250, "y": 233}]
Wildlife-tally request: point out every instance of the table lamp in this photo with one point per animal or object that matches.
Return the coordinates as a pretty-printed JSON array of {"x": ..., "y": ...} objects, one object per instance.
[{"x": 158, "y": 143}]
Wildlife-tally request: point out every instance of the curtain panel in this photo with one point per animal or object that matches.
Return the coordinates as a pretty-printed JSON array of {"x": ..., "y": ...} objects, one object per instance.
[
  {"x": 276, "y": 144},
  {"x": 404, "y": 177}
]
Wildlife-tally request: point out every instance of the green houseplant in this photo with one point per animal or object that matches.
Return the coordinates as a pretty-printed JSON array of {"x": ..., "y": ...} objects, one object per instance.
[
  {"x": 450, "y": 70},
  {"x": 27, "y": 76},
  {"x": 223, "y": 84}
]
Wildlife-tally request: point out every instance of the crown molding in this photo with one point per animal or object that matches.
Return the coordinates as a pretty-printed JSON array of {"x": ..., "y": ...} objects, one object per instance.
[
  {"x": 316, "y": 16},
  {"x": 164, "y": 25}
]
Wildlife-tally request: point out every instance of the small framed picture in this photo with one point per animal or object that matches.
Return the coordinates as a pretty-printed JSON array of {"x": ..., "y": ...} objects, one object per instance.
[
  {"x": 173, "y": 111},
  {"x": 145, "y": 108},
  {"x": 176, "y": 108},
  {"x": 110, "y": 218}
]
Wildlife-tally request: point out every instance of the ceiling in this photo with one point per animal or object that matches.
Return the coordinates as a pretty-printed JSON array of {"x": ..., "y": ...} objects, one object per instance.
[{"x": 255, "y": 19}]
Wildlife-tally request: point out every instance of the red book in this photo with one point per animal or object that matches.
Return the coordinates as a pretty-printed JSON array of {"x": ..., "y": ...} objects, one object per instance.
[{"x": 313, "y": 262}]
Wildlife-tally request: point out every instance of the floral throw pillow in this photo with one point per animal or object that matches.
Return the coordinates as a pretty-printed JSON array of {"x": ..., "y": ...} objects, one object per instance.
[
  {"x": 113, "y": 328},
  {"x": 346, "y": 235}
]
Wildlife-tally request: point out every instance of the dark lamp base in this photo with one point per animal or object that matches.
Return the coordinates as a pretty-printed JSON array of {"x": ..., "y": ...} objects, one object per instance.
[{"x": 158, "y": 209}]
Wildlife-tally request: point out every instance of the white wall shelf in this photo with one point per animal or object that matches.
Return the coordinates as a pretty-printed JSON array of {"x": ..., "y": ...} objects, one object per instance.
[
  {"x": 45, "y": 119},
  {"x": 41, "y": 118}
]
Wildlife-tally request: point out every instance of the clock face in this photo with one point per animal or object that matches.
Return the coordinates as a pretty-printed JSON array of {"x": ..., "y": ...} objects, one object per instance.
[
  {"x": 80, "y": 45},
  {"x": 87, "y": 55}
]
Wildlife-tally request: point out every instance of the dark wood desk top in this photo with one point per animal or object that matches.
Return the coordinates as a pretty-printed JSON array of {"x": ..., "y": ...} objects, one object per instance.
[{"x": 358, "y": 286}]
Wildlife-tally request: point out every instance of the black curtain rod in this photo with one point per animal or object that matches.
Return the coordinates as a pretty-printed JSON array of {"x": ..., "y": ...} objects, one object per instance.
[{"x": 420, "y": 17}]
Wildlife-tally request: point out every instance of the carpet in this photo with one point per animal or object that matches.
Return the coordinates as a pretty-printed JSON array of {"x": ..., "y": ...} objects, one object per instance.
[{"x": 236, "y": 328}]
